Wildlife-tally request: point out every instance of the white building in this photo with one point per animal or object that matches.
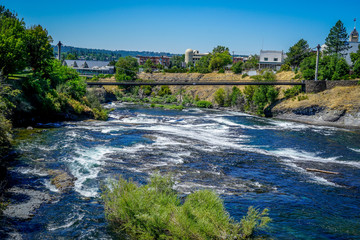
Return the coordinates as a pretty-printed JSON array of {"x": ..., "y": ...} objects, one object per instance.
[
  {"x": 271, "y": 59},
  {"x": 192, "y": 56}
]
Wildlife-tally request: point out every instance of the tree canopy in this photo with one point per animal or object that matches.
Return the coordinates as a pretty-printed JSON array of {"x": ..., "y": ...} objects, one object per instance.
[
  {"x": 126, "y": 68},
  {"x": 336, "y": 41},
  {"x": 297, "y": 53}
]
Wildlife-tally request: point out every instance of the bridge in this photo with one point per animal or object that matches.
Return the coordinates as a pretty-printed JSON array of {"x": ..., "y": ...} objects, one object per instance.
[{"x": 189, "y": 83}]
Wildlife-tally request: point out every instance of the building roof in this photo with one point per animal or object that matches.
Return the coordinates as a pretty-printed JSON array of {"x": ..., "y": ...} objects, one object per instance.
[{"x": 86, "y": 64}]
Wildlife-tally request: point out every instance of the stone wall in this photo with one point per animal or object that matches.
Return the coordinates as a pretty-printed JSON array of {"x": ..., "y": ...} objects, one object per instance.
[{"x": 312, "y": 86}]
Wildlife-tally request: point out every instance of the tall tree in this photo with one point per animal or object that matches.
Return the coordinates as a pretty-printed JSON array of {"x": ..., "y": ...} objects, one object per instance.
[
  {"x": 126, "y": 68},
  {"x": 12, "y": 42},
  {"x": 220, "y": 49},
  {"x": 38, "y": 44},
  {"x": 297, "y": 53},
  {"x": 337, "y": 40}
]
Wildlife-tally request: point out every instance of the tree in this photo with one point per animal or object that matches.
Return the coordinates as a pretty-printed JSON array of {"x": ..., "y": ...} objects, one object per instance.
[
  {"x": 355, "y": 56},
  {"x": 38, "y": 44},
  {"x": 342, "y": 69},
  {"x": 177, "y": 61},
  {"x": 356, "y": 68},
  {"x": 237, "y": 67},
  {"x": 12, "y": 43},
  {"x": 220, "y": 49},
  {"x": 219, "y": 60},
  {"x": 220, "y": 97},
  {"x": 202, "y": 66},
  {"x": 336, "y": 41},
  {"x": 252, "y": 62},
  {"x": 297, "y": 53},
  {"x": 126, "y": 68}
]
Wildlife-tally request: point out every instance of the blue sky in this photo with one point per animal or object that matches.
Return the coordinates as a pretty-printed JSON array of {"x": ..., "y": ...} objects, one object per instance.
[{"x": 173, "y": 26}]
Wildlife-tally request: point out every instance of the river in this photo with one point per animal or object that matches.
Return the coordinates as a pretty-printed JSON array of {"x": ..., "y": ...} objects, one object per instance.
[{"x": 249, "y": 161}]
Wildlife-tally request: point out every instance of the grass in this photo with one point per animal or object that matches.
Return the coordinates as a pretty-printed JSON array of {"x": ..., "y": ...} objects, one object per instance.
[
  {"x": 154, "y": 211},
  {"x": 339, "y": 98}
]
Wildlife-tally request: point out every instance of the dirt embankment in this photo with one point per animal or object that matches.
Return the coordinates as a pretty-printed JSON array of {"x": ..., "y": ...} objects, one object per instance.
[
  {"x": 207, "y": 92},
  {"x": 339, "y": 106}
]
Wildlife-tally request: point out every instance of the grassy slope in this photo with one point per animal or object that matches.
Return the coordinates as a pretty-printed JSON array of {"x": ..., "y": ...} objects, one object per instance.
[{"x": 339, "y": 98}]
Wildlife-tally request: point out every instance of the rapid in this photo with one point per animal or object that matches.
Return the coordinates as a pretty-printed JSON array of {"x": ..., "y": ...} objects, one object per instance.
[{"x": 248, "y": 160}]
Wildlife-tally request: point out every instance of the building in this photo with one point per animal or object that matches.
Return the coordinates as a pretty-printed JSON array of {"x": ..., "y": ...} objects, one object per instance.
[
  {"x": 162, "y": 60},
  {"x": 90, "y": 67},
  {"x": 271, "y": 59},
  {"x": 240, "y": 59},
  {"x": 192, "y": 56},
  {"x": 353, "y": 45}
]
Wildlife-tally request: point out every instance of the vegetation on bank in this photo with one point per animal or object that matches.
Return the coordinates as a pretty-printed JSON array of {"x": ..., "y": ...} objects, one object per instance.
[
  {"x": 156, "y": 211},
  {"x": 32, "y": 83}
]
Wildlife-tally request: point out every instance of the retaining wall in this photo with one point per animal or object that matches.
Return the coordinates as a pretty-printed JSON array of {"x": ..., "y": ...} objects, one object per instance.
[{"x": 312, "y": 86}]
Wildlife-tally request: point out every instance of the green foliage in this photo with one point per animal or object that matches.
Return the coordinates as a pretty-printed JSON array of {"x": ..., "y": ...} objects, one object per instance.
[
  {"x": 126, "y": 69},
  {"x": 244, "y": 75},
  {"x": 292, "y": 92},
  {"x": 237, "y": 67},
  {"x": 297, "y": 53},
  {"x": 331, "y": 67},
  {"x": 164, "y": 90},
  {"x": 219, "y": 60},
  {"x": 220, "y": 49},
  {"x": 285, "y": 67},
  {"x": 221, "y": 70},
  {"x": 219, "y": 97},
  {"x": 13, "y": 55},
  {"x": 234, "y": 96},
  {"x": 336, "y": 41},
  {"x": 252, "y": 62},
  {"x": 38, "y": 44},
  {"x": 148, "y": 66},
  {"x": 176, "y": 61},
  {"x": 254, "y": 220},
  {"x": 202, "y": 66},
  {"x": 154, "y": 211},
  {"x": 204, "y": 104},
  {"x": 356, "y": 68}
]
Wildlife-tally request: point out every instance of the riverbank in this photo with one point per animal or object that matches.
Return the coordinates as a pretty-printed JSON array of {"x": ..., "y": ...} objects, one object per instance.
[{"x": 338, "y": 107}]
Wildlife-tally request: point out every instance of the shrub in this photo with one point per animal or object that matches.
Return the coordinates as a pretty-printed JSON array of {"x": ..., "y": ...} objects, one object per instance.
[
  {"x": 154, "y": 211},
  {"x": 221, "y": 70},
  {"x": 204, "y": 104},
  {"x": 237, "y": 68},
  {"x": 244, "y": 75},
  {"x": 292, "y": 92},
  {"x": 285, "y": 67},
  {"x": 220, "y": 97},
  {"x": 164, "y": 90}
]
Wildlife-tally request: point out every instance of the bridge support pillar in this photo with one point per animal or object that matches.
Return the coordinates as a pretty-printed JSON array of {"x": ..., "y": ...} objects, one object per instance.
[{"x": 312, "y": 86}]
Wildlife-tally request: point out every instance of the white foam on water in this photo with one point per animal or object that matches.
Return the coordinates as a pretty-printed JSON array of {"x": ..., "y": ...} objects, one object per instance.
[
  {"x": 303, "y": 156},
  {"x": 68, "y": 222},
  {"x": 86, "y": 166},
  {"x": 355, "y": 150},
  {"x": 32, "y": 171},
  {"x": 50, "y": 186},
  {"x": 312, "y": 176}
]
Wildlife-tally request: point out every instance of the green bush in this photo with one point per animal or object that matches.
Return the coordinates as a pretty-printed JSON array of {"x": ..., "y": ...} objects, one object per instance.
[
  {"x": 285, "y": 67},
  {"x": 164, "y": 90},
  {"x": 154, "y": 211},
  {"x": 221, "y": 70},
  {"x": 204, "y": 104},
  {"x": 237, "y": 68},
  {"x": 220, "y": 97},
  {"x": 292, "y": 92},
  {"x": 244, "y": 75}
]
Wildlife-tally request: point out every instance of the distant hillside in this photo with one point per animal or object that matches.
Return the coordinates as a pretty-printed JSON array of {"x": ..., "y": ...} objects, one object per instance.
[{"x": 69, "y": 52}]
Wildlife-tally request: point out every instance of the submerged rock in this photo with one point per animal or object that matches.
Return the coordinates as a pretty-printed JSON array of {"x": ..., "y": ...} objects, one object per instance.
[
  {"x": 62, "y": 180},
  {"x": 24, "y": 210}
]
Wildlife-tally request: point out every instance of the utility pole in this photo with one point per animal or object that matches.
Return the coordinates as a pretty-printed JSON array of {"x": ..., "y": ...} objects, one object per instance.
[{"x": 317, "y": 62}]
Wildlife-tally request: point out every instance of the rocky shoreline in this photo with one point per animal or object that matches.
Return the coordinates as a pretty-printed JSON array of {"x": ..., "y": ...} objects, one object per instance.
[{"x": 317, "y": 115}]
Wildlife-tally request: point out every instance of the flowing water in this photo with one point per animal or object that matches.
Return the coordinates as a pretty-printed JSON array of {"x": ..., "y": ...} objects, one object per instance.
[{"x": 249, "y": 161}]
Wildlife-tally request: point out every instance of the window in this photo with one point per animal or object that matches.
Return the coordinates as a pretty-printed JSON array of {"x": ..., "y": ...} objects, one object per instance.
[
  {"x": 275, "y": 59},
  {"x": 266, "y": 59}
]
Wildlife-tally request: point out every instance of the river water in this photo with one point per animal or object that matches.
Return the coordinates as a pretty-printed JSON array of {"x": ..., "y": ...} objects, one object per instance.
[{"x": 249, "y": 161}]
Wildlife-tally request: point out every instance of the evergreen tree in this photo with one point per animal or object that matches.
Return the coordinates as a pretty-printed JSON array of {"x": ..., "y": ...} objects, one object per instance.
[
  {"x": 337, "y": 40},
  {"x": 297, "y": 53}
]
